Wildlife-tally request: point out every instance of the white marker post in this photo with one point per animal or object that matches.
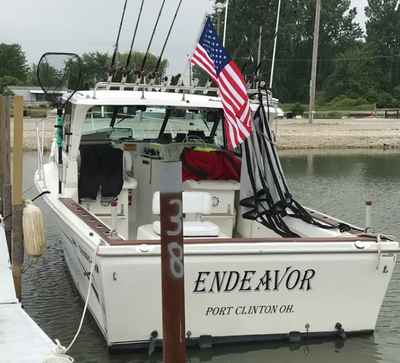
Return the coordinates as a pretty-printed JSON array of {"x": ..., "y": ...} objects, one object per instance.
[
  {"x": 368, "y": 207},
  {"x": 172, "y": 264}
]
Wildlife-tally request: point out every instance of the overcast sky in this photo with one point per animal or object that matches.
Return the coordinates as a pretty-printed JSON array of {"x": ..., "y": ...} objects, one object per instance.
[{"x": 80, "y": 26}]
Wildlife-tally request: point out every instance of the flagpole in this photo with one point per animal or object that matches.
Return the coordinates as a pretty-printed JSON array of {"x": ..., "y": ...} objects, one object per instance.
[
  {"x": 225, "y": 22},
  {"x": 202, "y": 25}
]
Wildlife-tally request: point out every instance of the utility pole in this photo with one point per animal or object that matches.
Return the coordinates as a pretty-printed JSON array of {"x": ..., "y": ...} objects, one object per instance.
[{"x": 314, "y": 63}]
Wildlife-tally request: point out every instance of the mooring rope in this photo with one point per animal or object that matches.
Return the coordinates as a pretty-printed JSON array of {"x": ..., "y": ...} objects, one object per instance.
[{"x": 61, "y": 351}]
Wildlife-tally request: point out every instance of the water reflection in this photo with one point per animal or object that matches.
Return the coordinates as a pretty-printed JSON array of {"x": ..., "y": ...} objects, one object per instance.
[
  {"x": 377, "y": 165},
  {"x": 339, "y": 183},
  {"x": 310, "y": 352}
]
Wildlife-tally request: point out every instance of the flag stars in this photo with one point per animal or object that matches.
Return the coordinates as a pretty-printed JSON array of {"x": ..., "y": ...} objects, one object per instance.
[{"x": 213, "y": 47}]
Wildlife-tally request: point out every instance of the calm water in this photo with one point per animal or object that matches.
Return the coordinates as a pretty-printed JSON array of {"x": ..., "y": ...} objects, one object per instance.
[{"x": 332, "y": 182}]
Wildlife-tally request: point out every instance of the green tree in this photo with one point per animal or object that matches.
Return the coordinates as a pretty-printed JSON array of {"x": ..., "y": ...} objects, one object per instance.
[
  {"x": 338, "y": 33},
  {"x": 13, "y": 61},
  {"x": 136, "y": 63},
  {"x": 356, "y": 74},
  {"x": 32, "y": 79},
  {"x": 383, "y": 38},
  {"x": 202, "y": 76},
  {"x": 6, "y": 81},
  {"x": 94, "y": 66}
]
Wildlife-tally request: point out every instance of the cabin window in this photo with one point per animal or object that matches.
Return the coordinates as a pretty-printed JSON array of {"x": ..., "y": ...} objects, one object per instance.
[
  {"x": 148, "y": 124},
  {"x": 151, "y": 123},
  {"x": 98, "y": 117}
]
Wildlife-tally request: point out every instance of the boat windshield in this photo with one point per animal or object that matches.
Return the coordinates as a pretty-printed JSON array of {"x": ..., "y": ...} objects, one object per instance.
[{"x": 152, "y": 123}]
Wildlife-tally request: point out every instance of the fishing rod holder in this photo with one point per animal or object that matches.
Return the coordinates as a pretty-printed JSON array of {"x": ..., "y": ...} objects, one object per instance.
[
  {"x": 125, "y": 72},
  {"x": 162, "y": 87},
  {"x": 111, "y": 70},
  {"x": 155, "y": 74},
  {"x": 177, "y": 88}
]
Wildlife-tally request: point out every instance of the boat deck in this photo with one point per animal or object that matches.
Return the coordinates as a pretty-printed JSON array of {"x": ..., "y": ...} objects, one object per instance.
[
  {"x": 21, "y": 340},
  {"x": 104, "y": 231}
]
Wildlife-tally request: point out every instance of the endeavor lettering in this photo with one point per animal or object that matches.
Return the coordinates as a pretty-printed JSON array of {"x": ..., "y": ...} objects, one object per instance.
[{"x": 247, "y": 281}]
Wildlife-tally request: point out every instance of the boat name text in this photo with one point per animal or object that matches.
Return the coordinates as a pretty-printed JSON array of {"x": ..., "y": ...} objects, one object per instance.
[
  {"x": 249, "y": 310},
  {"x": 249, "y": 280}
]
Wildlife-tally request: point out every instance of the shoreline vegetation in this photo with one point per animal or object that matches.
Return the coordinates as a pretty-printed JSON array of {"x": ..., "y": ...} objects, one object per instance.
[{"x": 291, "y": 134}]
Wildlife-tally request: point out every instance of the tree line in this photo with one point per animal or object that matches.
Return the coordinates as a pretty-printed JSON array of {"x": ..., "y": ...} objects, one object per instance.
[
  {"x": 15, "y": 71},
  {"x": 353, "y": 63},
  {"x": 356, "y": 64}
]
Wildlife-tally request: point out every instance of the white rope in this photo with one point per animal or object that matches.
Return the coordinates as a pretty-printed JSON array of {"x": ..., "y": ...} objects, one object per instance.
[{"x": 61, "y": 350}]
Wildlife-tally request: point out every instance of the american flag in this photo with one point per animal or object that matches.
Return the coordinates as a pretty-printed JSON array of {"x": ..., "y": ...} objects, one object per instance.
[{"x": 211, "y": 56}]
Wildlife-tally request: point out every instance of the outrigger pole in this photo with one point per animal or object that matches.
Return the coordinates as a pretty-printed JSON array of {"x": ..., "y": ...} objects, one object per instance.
[
  {"x": 142, "y": 71},
  {"x": 125, "y": 70},
  {"x": 273, "y": 42},
  {"x": 113, "y": 68}
]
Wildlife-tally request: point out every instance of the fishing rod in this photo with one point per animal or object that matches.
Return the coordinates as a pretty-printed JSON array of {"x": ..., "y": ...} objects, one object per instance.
[
  {"x": 112, "y": 69},
  {"x": 125, "y": 70},
  {"x": 142, "y": 72},
  {"x": 156, "y": 73}
]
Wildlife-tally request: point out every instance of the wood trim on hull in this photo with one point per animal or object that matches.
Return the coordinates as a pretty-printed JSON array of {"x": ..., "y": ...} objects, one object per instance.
[{"x": 104, "y": 231}]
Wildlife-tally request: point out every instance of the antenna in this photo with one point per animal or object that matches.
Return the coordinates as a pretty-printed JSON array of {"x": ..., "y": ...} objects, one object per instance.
[
  {"x": 268, "y": 49},
  {"x": 125, "y": 70},
  {"x": 112, "y": 69}
]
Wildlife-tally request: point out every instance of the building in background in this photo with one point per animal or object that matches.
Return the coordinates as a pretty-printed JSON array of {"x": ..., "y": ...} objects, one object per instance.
[{"x": 33, "y": 96}]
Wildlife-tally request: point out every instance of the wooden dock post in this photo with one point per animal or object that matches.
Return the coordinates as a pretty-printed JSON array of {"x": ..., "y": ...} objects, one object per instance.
[
  {"x": 1, "y": 190},
  {"x": 5, "y": 139},
  {"x": 18, "y": 206},
  {"x": 7, "y": 209},
  {"x": 172, "y": 263},
  {"x": 5, "y": 183}
]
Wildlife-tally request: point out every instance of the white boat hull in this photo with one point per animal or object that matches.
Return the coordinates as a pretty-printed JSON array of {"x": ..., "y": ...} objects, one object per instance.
[{"x": 233, "y": 291}]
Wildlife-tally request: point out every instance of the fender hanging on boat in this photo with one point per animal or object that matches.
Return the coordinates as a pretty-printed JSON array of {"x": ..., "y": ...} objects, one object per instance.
[{"x": 33, "y": 228}]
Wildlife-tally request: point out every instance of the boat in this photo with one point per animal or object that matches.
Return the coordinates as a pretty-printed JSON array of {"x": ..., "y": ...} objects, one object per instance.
[{"x": 243, "y": 281}]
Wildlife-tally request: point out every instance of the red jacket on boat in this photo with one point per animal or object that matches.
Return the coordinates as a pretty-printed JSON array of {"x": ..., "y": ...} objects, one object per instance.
[{"x": 212, "y": 165}]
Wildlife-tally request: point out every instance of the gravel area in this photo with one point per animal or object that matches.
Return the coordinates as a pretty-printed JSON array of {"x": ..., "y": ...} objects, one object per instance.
[
  {"x": 338, "y": 134},
  {"x": 291, "y": 134}
]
